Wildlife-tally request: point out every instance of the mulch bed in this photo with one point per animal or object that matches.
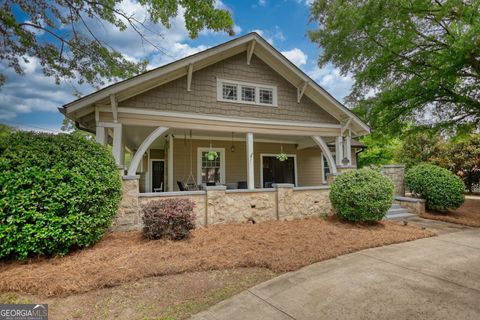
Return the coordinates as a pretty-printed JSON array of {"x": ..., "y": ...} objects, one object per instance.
[
  {"x": 468, "y": 214},
  {"x": 123, "y": 257}
]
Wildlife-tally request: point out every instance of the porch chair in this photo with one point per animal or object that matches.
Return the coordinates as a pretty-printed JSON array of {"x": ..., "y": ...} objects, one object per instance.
[{"x": 181, "y": 186}]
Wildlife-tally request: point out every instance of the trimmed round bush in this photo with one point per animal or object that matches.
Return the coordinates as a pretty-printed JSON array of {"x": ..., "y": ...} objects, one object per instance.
[
  {"x": 57, "y": 193},
  {"x": 170, "y": 218},
  {"x": 362, "y": 195},
  {"x": 441, "y": 189}
]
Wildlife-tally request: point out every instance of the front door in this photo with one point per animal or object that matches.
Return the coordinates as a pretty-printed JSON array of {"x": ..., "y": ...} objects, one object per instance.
[
  {"x": 276, "y": 171},
  {"x": 158, "y": 176}
]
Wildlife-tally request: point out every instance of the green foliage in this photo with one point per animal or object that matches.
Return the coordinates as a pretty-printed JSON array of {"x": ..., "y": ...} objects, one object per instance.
[
  {"x": 417, "y": 148},
  {"x": 170, "y": 218},
  {"x": 57, "y": 193},
  {"x": 362, "y": 195},
  {"x": 64, "y": 37},
  {"x": 441, "y": 189},
  {"x": 408, "y": 58},
  {"x": 380, "y": 150},
  {"x": 5, "y": 130}
]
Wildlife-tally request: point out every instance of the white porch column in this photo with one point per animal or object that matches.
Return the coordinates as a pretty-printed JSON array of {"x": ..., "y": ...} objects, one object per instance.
[
  {"x": 250, "y": 168},
  {"x": 326, "y": 153},
  {"x": 117, "y": 147},
  {"x": 348, "y": 149},
  {"x": 170, "y": 163},
  {"x": 339, "y": 150},
  {"x": 101, "y": 135}
]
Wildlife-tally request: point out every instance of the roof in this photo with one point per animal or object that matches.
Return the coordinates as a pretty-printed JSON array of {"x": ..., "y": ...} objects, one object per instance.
[{"x": 128, "y": 88}]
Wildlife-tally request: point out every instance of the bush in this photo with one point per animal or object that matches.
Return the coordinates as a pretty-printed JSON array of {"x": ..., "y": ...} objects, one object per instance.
[
  {"x": 170, "y": 218},
  {"x": 440, "y": 188},
  {"x": 362, "y": 195},
  {"x": 57, "y": 193}
]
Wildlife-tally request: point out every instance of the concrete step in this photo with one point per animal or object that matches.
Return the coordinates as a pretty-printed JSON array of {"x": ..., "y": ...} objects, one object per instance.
[{"x": 398, "y": 212}]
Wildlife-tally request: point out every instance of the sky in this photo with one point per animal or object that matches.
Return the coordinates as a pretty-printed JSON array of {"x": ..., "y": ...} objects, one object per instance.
[{"x": 30, "y": 101}]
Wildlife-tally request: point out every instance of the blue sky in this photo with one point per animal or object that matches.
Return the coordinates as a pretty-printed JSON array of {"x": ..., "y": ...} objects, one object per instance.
[{"x": 31, "y": 101}]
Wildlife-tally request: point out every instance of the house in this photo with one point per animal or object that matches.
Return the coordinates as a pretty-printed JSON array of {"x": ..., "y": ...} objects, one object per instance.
[{"x": 238, "y": 116}]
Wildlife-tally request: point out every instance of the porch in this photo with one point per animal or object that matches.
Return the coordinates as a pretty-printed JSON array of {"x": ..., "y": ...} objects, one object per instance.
[{"x": 179, "y": 159}]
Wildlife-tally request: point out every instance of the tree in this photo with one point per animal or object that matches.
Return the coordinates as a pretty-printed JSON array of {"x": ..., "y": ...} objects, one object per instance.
[
  {"x": 61, "y": 36},
  {"x": 418, "y": 147},
  {"x": 380, "y": 150},
  {"x": 5, "y": 130},
  {"x": 461, "y": 155},
  {"x": 412, "y": 60}
]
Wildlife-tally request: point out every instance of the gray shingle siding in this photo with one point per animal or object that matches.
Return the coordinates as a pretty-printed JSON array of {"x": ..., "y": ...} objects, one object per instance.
[{"x": 202, "y": 99}]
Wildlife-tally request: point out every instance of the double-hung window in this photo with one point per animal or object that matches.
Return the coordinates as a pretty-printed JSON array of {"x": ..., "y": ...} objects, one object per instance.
[{"x": 248, "y": 93}]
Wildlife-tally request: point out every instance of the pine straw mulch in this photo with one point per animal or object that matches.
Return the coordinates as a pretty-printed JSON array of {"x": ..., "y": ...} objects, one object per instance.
[
  {"x": 123, "y": 257},
  {"x": 468, "y": 214}
]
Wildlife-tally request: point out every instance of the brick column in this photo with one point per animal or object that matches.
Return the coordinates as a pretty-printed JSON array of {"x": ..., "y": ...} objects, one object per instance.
[
  {"x": 128, "y": 214},
  {"x": 396, "y": 173}
]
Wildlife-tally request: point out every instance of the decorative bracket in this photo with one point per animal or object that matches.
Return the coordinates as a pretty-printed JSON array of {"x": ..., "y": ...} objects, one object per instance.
[
  {"x": 189, "y": 77},
  {"x": 250, "y": 49},
  {"x": 301, "y": 91}
]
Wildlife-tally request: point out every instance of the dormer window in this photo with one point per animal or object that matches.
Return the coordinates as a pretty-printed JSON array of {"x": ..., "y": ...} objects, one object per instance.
[{"x": 248, "y": 93}]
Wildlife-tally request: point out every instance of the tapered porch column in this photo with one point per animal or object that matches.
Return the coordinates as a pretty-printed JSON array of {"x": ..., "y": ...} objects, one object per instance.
[
  {"x": 101, "y": 135},
  {"x": 170, "y": 163},
  {"x": 339, "y": 150},
  {"x": 348, "y": 149},
  {"x": 250, "y": 168},
  {"x": 117, "y": 147}
]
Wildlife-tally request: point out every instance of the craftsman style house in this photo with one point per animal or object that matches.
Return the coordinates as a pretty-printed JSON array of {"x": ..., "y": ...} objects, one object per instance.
[{"x": 238, "y": 115}]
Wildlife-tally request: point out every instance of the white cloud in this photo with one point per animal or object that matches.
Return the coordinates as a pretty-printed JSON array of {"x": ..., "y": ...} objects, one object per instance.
[
  {"x": 297, "y": 56},
  {"x": 331, "y": 80},
  {"x": 262, "y": 3},
  {"x": 271, "y": 35}
]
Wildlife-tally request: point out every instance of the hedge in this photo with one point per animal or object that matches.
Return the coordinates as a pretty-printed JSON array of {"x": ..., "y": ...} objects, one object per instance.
[
  {"x": 362, "y": 195},
  {"x": 57, "y": 193},
  {"x": 441, "y": 189}
]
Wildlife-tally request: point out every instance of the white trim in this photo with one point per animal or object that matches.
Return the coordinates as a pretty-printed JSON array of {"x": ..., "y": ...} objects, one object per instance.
[
  {"x": 147, "y": 178},
  {"x": 170, "y": 163},
  {"x": 114, "y": 105},
  {"x": 185, "y": 115},
  {"x": 324, "y": 178},
  {"x": 250, "y": 49},
  {"x": 150, "y": 173},
  {"x": 143, "y": 148},
  {"x": 199, "y": 163},
  {"x": 189, "y": 77},
  {"x": 239, "y": 85},
  {"x": 301, "y": 91},
  {"x": 294, "y": 156},
  {"x": 117, "y": 145},
  {"x": 240, "y": 139},
  {"x": 101, "y": 135},
  {"x": 249, "y": 144},
  {"x": 326, "y": 151}
]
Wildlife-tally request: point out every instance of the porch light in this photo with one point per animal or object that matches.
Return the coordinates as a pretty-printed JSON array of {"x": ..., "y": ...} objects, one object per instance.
[{"x": 345, "y": 161}]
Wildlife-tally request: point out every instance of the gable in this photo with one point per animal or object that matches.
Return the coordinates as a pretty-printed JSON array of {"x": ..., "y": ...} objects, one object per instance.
[{"x": 202, "y": 98}]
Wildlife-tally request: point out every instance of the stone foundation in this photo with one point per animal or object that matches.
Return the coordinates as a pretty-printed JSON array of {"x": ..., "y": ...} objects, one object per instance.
[
  {"x": 415, "y": 205},
  {"x": 217, "y": 205}
]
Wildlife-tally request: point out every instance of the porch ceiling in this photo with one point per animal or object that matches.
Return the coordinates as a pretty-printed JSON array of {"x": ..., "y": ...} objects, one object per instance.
[{"x": 135, "y": 135}]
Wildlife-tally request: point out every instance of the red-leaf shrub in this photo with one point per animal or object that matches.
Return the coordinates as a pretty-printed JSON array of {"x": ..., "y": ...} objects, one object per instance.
[{"x": 170, "y": 218}]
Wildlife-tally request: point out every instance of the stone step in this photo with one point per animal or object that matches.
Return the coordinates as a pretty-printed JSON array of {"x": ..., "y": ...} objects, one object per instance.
[
  {"x": 396, "y": 206},
  {"x": 398, "y": 211},
  {"x": 399, "y": 216}
]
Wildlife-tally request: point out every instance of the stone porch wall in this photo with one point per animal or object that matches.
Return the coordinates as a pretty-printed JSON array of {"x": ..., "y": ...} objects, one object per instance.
[
  {"x": 218, "y": 205},
  {"x": 396, "y": 173}
]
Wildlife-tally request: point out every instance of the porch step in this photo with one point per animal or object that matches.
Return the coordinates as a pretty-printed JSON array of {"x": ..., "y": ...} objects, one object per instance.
[{"x": 398, "y": 212}]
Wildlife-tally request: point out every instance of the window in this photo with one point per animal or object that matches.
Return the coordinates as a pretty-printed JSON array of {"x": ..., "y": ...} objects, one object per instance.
[
  {"x": 248, "y": 93},
  {"x": 326, "y": 168},
  {"x": 266, "y": 96},
  {"x": 229, "y": 92},
  {"x": 211, "y": 170}
]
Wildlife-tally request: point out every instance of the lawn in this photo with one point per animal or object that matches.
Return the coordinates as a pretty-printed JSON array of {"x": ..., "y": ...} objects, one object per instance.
[
  {"x": 170, "y": 279},
  {"x": 468, "y": 214}
]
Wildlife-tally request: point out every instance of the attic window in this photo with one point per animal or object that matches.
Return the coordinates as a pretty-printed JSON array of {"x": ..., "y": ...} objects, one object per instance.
[{"x": 247, "y": 93}]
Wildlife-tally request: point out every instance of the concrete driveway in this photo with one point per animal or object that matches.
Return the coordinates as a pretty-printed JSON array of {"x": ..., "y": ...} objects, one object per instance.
[{"x": 434, "y": 278}]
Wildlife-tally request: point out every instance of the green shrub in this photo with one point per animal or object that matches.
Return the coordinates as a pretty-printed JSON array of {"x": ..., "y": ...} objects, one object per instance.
[
  {"x": 362, "y": 195},
  {"x": 440, "y": 188},
  {"x": 170, "y": 218},
  {"x": 57, "y": 193}
]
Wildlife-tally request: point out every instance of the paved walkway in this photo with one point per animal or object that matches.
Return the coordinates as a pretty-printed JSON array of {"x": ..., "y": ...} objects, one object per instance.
[{"x": 434, "y": 278}]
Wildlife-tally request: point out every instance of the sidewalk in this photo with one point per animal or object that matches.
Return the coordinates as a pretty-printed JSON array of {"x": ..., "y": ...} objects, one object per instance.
[{"x": 434, "y": 278}]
